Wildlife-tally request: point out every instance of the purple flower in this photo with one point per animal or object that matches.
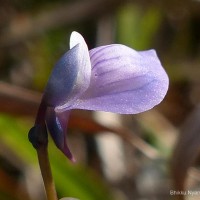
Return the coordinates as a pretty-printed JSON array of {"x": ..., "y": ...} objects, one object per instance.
[{"x": 111, "y": 78}]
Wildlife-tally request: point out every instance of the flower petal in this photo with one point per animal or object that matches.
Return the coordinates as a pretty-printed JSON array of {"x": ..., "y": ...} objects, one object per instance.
[
  {"x": 76, "y": 38},
  {"x": 70, "y": 76},
  {"x": 57, "y": 127},
  {"x": 124, "y": 81}
]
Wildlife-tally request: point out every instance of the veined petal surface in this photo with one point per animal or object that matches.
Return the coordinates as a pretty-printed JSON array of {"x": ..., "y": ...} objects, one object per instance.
[{"x": 124, "y": 81}]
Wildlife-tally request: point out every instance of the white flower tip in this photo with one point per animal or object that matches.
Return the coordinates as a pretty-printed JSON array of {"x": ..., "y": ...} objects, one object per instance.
[{"x": 76, "y": 38}]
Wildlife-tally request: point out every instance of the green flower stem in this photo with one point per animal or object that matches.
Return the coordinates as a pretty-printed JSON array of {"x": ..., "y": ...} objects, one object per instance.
[{"x": 45, "y": 168}]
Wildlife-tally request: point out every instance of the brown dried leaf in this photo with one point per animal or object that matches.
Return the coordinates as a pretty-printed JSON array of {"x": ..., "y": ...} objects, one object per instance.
[{"x": 17, "y": 100}]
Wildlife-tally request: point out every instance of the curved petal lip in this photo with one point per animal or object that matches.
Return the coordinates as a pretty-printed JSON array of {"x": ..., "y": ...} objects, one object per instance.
[
  {"x": 127, "y": 102},
  {"x": 124, "y": 81}
]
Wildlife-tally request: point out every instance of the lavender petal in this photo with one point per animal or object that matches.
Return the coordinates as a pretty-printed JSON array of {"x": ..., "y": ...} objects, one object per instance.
[
  {"x": 124, "y": 81},
  {"x": 70, "y": 76},
  {"x": 57, "y": 127}
]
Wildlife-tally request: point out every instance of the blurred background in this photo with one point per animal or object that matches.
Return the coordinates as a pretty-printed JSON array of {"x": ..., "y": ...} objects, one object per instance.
[{"x": 149, "y": 156}]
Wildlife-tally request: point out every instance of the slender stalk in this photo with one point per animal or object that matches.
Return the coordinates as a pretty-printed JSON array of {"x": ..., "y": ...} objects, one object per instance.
[
  {"x": 38, "y": 136},
  {"x": 45, "y": 168}
]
